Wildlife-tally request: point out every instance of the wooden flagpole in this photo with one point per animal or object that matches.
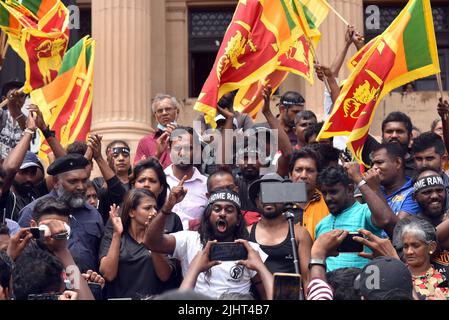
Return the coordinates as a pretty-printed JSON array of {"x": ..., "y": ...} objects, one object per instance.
[{"x": 336, "y": 13}]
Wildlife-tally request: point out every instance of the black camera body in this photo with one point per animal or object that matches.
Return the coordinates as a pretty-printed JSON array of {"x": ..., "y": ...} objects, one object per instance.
[{"x": 228, "y": 251}]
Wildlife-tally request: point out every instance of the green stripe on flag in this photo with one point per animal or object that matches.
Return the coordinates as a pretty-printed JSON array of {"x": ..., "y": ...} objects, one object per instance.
[
  {"x": 416, "y": 44},
  {"x": 32, "y": 5},
  {"x": 71, "y": 57},
  {"x": 310, "y": 17},
  {"x": 291, "y": 22},
  {"x": 4, "y": 17}
]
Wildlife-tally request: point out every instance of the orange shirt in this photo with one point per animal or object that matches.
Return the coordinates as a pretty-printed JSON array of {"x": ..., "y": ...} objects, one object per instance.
[{"x": 314, "y": 212}]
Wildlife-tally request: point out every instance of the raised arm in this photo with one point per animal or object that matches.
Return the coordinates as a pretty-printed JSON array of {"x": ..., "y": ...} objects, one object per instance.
[
  {"x": 443, "y": 111},
  {"x": 381, "y": 214},
  {"x": 16, "y": 100},
  {"x": 109, "y": 264},
  {"x": 284, "y": 142},
  {"x": 56, "y": 147},
  {"x": 324, "y": 72},
  {"x": 14, "y": 161},
  {"x": 155, "y": 238}
]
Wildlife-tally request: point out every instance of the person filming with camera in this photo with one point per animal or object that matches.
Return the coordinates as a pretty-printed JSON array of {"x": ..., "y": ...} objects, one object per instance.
[{"x": 222, "y": 221}]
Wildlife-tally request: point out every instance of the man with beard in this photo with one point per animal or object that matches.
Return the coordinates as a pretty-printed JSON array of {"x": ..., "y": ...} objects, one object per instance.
[
  {"x": 70, "y": 184},
  {"x": 272, "y": 233},
  {"x": 430, "y": 194},
  {"x": 337, "y": 185},
  {"x": 429, "y": 152},
  {"x": 397, "y": 127},
  {"x": 222, "y": 221},
  {"x": 290, "y": 105},
  {"x": 191, "y": 208},
  {"x": 388, "y": 161}
]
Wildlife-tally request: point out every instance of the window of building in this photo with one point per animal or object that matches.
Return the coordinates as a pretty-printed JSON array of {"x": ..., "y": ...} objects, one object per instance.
[{"x": 207, "y": 28}]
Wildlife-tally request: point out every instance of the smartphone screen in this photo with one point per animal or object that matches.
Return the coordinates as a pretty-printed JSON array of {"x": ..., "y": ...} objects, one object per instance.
[
  {"x": 349, "y": 245},
  {"x": 287, "y": 286},
  {"x": 228, "y": 251}
]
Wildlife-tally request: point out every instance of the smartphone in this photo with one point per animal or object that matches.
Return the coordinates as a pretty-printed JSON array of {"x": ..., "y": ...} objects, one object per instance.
[
  {"x": 349, "y": 245},
  {"x": 37, "y": 233},
  {"x": 96, "y": 290},
  {"x": 228, "y": 251},
  {"x": 287, "y": 286},
  {"x": 278, "y": 192}
]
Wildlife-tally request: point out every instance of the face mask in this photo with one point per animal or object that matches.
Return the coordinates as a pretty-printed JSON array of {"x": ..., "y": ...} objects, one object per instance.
[{"x": 162, "y": 128}]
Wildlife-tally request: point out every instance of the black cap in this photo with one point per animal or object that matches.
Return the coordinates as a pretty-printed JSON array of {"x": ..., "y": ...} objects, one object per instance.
[
  {"x": 67, "y": 163},
  {"x": 385, "y": 278},
  {"x": 292, "y": 98},
  {"x": 254, "y": 188},
  {"x": 13, "y": 84}
]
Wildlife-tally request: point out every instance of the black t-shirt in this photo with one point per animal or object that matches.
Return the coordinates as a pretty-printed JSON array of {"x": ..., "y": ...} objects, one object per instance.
[
  {"x": 15, "y": 202},
  {"x": 136, "y": 276}
]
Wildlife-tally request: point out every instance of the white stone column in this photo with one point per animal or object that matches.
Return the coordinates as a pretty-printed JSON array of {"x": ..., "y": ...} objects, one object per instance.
[{"x": 123, "y": 77}]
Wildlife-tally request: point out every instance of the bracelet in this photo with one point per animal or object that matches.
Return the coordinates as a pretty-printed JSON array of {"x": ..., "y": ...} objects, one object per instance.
[
  {"x": 48, "y": 133},
  {"x": 361, "y": 183},
  {"x": 19, "y": 117},
  {"x": 27, "y": 130}
]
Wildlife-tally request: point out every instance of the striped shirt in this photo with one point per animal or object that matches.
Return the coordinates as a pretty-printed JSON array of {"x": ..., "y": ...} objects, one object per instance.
[{"x": 319, "y": 289}]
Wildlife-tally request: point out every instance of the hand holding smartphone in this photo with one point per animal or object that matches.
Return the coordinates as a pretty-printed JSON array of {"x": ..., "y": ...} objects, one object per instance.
[
  {"x": 228, "y": 251},
  {"x": 349, "y": 245}
]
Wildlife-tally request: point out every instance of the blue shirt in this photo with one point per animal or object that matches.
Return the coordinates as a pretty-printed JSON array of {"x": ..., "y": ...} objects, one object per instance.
[
  {"x": 401, "y": 200},
  {"x": 12, "y": 226},
  {"x": 352, "y": 219},
  {"x": 86, "y": 232}
]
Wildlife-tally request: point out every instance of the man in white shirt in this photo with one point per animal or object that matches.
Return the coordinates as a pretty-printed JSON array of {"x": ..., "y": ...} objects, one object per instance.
[
  {"x": 191, "y": 208},
  {"x": 222, "y": 221}
]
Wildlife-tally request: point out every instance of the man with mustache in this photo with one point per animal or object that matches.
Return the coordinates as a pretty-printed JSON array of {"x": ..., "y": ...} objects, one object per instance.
[
  {"x": 222, "y": 221},
  {"x": 430, "y": 194},
  {"x": 70, "y": 184},
  {"x": 389, "y": 161},
  {"x": 397, "y": 127},
  {"x": 273, "y": 235}
]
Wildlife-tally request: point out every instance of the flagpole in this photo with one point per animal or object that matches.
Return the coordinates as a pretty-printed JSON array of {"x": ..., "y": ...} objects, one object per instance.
[
  {"x": 336, "y": 13},
  {"x": 440, "y": 84},
  {"x": 5, "y": 103},
  {"x": 315, "y": 57}
]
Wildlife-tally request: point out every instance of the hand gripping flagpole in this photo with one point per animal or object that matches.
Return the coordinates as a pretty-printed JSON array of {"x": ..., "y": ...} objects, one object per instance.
[{"x": 5, "y": 102}]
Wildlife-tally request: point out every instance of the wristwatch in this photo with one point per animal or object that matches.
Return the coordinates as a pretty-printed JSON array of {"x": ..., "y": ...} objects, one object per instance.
[{"x": 317, "y": 262}]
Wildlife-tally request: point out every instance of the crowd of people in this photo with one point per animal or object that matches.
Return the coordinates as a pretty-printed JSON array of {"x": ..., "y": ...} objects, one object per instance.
[{"x": 148, "y": 225}]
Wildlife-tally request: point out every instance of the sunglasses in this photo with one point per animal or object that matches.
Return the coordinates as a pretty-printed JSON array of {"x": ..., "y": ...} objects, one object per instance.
[{"x": 121, "y": 151}]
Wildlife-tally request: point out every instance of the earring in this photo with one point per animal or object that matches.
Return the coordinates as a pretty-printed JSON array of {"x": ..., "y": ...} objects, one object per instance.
[{"x": 431, "y": 252}]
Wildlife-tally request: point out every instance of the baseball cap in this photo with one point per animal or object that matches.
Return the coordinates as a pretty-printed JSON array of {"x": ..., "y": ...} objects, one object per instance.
[
  {"x": 31, "y": 160},
  {"x": 385, "y": 278}
]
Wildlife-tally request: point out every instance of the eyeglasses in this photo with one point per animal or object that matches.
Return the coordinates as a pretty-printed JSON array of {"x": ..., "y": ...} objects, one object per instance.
[{"x": 164, "y": 110}]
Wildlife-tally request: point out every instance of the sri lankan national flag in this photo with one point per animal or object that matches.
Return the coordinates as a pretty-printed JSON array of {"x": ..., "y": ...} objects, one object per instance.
[
  {"x": 406, "y": 51},
  {"x": 38, "y": 31},
  {"x": 297, "y": 59},
  {"x": 263, "y": 37},
  {"x": 66, "y": 103}
]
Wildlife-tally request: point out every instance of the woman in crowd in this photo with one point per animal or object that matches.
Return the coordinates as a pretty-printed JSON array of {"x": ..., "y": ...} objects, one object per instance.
[
  {"x": 131, "y": 270},
  {"x": 419, "y": 241},
  {"x": 149, "y": 175}
]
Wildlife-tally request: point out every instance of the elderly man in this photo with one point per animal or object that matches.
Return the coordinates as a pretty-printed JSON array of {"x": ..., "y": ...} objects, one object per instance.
[
  {"x": 70, "y": 185},
  {"x": 166, "y": 111}
]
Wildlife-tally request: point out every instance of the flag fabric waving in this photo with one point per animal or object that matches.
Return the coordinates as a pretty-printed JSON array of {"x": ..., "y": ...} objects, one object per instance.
[
  {"x": 38, "y": 31},
  {"x": 264, "y": 36},
  {"x": 66, "y": 103},
  {"x": 406, "y": 51}
]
